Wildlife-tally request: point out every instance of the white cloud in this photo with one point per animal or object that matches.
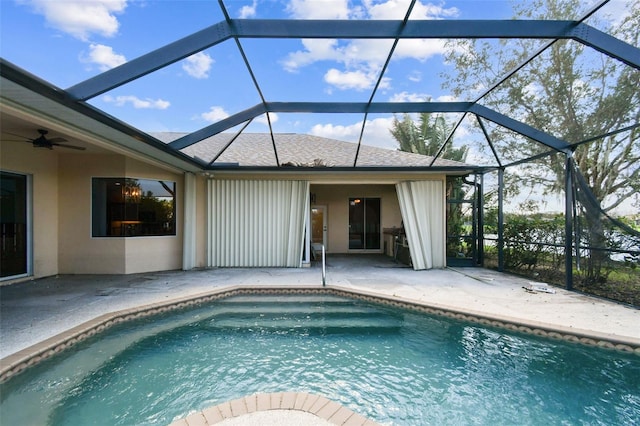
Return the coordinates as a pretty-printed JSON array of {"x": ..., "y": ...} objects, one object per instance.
[
  {"x": 420, "y": 50},
  {"x": 371, "y": 52},
  {"x": 397, "y": 9},
  {"x": 390, "y": 9},
  {"x": 248, "y": 11},
  {"x": 314, "y": 9},
  {"x": 415, "y": 76},
  {"x": 359, "y": 53},
  {"x": 357, "y": 80},
  {"x": 263, "y": 118},
  {"x": 103, "y": 56},
  {"x": 376, "y": 133},
  {"x": 215, "y": 113},
  {"x": 345, "y": 133},
  {"x": 81, "y": 18},
  {"x": 198, "y": 65},
  {"x": 419, "y": 97},
  {"x": 446, "y": 98},
  {"x": 315, "y": 50},
  {"x": 432, "y": 11},
  {"x": 409, "y": 97},
  {"x": 362, "y": 60},
  {"x": 136, "y": 102}
]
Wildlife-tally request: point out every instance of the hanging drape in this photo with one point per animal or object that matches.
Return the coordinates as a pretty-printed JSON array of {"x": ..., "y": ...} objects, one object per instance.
[
  {"x": 257, "y": 223},
  {"x": 422, "y": 208}
]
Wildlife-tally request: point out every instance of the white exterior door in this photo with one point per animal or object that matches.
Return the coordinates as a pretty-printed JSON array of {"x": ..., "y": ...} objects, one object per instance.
[{"x": 319, "y": 225}]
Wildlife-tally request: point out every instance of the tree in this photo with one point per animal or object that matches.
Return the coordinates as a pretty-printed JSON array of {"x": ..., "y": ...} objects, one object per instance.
[
  {"x": 426, "y": 136},
  {"x": 572, "y": 92}
]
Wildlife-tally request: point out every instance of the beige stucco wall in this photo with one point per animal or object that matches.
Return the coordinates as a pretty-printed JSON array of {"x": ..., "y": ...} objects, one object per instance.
[
  {"x": 145, "y": 254},
  {"x": 336, "y": 198},
  {"x": 42, "y": 165},
  {"x": 80, "y": 253}
]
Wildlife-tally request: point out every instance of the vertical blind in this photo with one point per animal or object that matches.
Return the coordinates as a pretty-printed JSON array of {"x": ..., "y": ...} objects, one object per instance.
[
  {"x": 257, "y": 223},
  {"x": 422, "y": 208}
]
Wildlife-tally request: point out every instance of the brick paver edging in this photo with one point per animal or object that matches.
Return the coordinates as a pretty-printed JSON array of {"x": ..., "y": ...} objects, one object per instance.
[{"x": 290, "y": 401}]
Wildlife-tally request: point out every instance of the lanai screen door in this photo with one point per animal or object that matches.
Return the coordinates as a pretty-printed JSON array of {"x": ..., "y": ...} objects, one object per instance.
[{"x": 364, "y": 223}]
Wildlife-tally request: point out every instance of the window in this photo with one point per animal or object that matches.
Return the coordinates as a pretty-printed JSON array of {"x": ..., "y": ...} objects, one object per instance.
[
  {"x": 364, "y": 223},
  {"x": 124, "y": 207}
]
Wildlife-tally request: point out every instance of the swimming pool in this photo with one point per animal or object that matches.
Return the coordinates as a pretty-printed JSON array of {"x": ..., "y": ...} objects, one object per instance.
[{"x": 395, "y": 366}]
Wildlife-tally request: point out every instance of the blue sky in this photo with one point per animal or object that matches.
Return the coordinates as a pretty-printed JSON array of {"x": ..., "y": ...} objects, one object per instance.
[{"x": 66, "y": 42}]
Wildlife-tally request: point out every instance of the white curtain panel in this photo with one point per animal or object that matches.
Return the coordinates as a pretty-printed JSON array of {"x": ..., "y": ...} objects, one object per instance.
[
  {"x": 257, "y": 223},
  {"x": 422, "y": 208}
]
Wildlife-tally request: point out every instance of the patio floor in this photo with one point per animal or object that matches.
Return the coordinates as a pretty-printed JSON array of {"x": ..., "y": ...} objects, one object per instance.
[{"x": 39, "y": 309}]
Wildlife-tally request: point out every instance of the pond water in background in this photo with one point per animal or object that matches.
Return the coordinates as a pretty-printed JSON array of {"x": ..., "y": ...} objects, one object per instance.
[{"x": 393, "y": 366}]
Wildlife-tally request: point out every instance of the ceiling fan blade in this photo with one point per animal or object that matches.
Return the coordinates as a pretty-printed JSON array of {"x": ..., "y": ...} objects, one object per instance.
[
  {"x": 19, "y": 136},
  {"x": 79, "y": 148},
  {"x": 57, "y": 140}
]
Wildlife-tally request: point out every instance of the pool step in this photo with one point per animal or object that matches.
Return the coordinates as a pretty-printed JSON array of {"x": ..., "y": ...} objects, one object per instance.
[
  {"x": 295, "y": 309},
  {"x": 305, "y": 314},
  {"x": 287, "y": 298},
  {"x": 307, "y": 326}
]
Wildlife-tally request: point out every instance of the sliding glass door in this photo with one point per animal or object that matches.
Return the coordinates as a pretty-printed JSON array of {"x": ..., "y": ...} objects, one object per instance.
[
  {"x": 364, "y": 223},
  {"x": 13, "y": 225}
]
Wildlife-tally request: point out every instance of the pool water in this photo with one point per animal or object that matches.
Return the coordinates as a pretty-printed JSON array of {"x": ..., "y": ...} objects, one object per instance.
[{"x": 393, "y": 366}]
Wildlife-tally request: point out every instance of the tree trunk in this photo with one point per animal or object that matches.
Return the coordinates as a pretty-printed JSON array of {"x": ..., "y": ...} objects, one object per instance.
[{"x": 596, "y": 243}]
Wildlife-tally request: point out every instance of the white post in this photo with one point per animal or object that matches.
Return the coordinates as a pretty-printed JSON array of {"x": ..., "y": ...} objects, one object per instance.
[
  {"x": 189, "y": 223},
  {"x": 324, "y": 271}
]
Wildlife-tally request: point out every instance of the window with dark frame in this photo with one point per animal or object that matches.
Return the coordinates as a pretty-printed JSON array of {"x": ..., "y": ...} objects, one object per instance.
[{"x": 126, "y": 207}]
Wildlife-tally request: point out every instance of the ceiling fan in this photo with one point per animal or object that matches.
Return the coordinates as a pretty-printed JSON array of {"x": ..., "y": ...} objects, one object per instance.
[{"x": 43, "y": 142}]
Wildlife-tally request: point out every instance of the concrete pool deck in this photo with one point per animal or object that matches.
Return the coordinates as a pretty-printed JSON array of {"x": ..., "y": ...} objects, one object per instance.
[{"x": 36, "y": 310}]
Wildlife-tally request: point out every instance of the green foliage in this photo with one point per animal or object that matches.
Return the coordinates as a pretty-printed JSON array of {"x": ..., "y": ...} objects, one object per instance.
[
  {"x": 531, "y": 238},
  {"x": 426, "y": 136}
]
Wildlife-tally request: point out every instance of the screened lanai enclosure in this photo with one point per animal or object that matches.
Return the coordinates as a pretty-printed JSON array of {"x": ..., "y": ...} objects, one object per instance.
[{"x": 535, "y": 104}]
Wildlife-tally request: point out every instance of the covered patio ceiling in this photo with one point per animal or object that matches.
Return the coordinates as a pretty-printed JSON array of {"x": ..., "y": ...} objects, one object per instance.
[{"x": 259, "y": 100}]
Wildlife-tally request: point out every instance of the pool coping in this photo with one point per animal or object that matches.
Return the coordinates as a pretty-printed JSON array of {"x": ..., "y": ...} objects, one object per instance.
[
  {"x": 32, "y": 355},
  {"x": 287, "y": 402}
]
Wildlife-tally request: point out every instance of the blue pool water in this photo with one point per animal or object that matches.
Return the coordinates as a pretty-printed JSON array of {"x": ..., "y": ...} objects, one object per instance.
[{"x": 393, "y": 366}]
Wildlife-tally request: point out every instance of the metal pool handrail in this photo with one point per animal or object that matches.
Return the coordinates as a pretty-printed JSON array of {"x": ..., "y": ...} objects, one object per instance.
[{"x": 324, "y": 271}]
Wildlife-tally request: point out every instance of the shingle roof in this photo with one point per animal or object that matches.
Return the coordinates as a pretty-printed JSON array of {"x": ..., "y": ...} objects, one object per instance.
[{"x": 256, "y": 149}]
